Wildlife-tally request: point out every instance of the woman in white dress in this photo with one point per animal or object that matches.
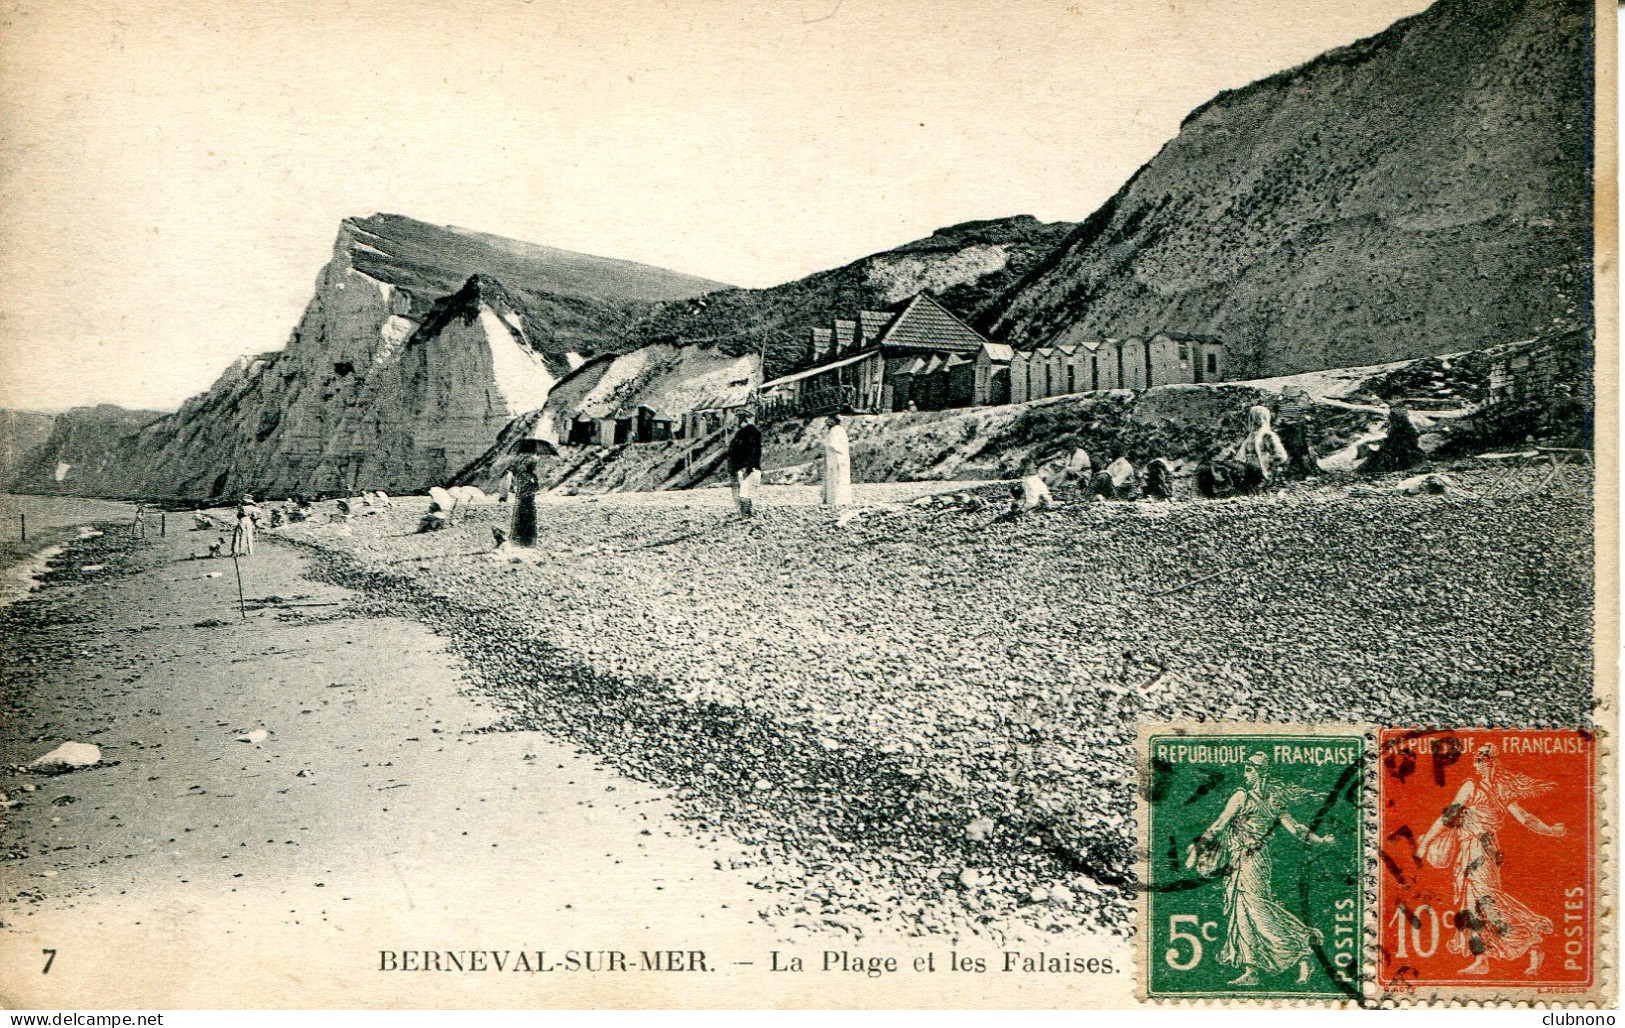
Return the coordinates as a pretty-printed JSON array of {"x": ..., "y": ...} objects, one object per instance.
[{"x": 837, "y": 464}]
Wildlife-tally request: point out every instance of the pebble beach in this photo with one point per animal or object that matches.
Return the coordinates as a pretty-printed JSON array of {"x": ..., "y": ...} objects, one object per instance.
[
  {"x": 925, "y": 711},
  {"x": 913, "y": 717}
]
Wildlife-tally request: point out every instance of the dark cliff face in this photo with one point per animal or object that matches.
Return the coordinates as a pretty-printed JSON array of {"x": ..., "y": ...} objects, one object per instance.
[
  {"x": 1422, "y": 191},
  {"x": 21, "y": 432},
  {"x": 86, "y": 451},
  {"x": 967, "y": 267}
]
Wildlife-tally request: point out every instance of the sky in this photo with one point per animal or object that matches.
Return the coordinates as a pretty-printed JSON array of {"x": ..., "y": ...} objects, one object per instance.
[{"x": 172, "y": 175}]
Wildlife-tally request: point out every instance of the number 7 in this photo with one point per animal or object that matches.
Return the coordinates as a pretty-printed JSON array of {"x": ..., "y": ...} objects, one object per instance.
[{"x": 50, "y": 958}]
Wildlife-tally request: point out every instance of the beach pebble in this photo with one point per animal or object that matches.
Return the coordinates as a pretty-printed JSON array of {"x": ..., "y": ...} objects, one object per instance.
[
  {"x": 258, "y": 735},
  {"x": 70, "y": 756}
]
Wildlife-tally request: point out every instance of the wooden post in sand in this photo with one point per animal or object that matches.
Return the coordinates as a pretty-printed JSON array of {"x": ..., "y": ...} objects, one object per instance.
[
  {"x": 161, "y": 525},
  {"x": 23, "y": 519},
  {"x": 241, "y": 609}
]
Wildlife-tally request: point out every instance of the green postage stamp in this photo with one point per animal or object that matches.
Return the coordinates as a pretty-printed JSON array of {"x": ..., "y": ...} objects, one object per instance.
[{"x": 1254, "y": 850}]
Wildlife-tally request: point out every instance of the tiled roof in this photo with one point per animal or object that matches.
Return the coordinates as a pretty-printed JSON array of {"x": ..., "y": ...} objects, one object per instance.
[
  {"x": 820, "y": 336},
  {"x": 845, "y": 331},
  {"x": 872, "y": 323},
  {"x": 926, "y": 323},
  {"x": 999, "y": 351},
  {"x": 817, "y": 369}
]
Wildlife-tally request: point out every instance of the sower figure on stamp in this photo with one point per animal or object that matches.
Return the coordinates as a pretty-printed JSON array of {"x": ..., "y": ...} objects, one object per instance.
[
  {"x": 1489, "y": 923},
  {"x": 1262, "y": 934}
]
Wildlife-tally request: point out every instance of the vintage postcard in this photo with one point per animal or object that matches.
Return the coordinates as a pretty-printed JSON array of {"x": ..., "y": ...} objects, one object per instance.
[{"x": 1074, "y": 504}]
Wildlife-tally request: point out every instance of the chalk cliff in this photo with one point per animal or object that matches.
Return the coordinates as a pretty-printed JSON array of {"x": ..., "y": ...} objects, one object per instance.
[
  {"x": 966, "y": 266},
  {"x": 419, "y": 344},
  {"x": 83, "y": 449},
  {"x": 1422, "y": 191}
]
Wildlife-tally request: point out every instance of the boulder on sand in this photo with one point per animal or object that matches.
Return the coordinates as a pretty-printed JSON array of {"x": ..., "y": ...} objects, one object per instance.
[
  {"x": 440, "y": 499},
  {"x": 70, "y": 756}
]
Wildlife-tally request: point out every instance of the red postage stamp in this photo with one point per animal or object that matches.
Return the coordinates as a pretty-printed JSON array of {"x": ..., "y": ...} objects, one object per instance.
[{"x": 1486, "y": 876}]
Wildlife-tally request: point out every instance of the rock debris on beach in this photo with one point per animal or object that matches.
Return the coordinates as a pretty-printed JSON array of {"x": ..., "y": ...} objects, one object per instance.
[{"x": 926, "y": 714}]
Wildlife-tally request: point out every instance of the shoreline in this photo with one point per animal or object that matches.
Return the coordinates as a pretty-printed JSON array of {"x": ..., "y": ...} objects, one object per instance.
[
  {"x": 20, "y": 573},
  {"x": 907, "y": 721},
  {"x": 378, "y": 811}
]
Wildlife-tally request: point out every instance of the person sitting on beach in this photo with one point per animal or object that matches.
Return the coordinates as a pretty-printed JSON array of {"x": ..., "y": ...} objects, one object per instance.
[
  {"x": 1292, "y": 420},
  {"x": 216, "y": 546},
  {"x": 1118, "y": 481},
  {"x": 1030, "y": 494},
  {"x": 1079, "y": 471},
  {"x": 1261, "y": 452},
  {"x": 1159, "y": 479}
]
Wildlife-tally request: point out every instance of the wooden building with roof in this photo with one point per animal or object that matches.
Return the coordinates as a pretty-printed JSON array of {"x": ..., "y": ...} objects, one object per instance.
[
  {"x": 1166, "y": 358},
  {"x": 916, "y": 354}
]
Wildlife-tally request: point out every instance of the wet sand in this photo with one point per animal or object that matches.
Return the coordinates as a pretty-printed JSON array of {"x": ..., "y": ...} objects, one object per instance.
[{"x": 192, "y": 869}]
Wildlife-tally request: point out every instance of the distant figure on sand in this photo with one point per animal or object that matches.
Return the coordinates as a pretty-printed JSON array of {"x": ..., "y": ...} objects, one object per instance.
[
  {"x": 837, "y": 464},
  {"x": 1292, "y": 419},
  {"x": 139, "y": 529},
  {"x": 242, "y": 537},
  {"x": 1261, "y": 453},
  {"x": 745, "y": 463},
  {"x": 526, "y": 483},
  {"x": 1400, "y": 450}
]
